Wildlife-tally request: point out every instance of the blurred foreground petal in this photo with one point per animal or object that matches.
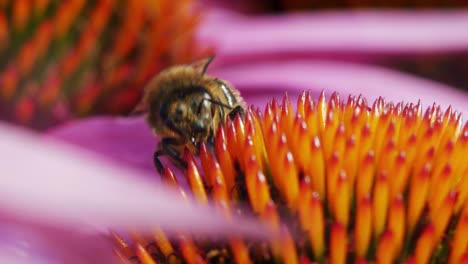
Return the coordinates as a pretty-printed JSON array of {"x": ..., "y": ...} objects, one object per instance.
[
  {"x": 52, "y": 189},
  {"x": 38, "y": 244}
]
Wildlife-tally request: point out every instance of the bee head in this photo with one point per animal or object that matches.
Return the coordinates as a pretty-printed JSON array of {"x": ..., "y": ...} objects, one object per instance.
[{"x": 191, "y": 116}]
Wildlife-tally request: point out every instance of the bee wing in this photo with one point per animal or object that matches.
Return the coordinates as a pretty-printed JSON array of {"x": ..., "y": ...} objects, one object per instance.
[{"x": 201, "y": 65}]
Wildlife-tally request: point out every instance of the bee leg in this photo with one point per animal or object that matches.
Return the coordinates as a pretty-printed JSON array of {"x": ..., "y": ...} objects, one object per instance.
[
  {"x": 157, "y": 162},
  {"x": 166, "y": 148},
  {"x": 237, "y": 110}
]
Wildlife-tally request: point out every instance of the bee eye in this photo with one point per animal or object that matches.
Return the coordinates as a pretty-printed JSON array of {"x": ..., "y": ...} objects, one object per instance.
[
  {"x": 195, "y": 104},
  {"x": 179, "y": 110}
]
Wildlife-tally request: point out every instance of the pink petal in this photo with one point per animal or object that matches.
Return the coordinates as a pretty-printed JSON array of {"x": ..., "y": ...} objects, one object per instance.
[
  {"x": 293, "y": 76},
  {"x": 337, "y": 34},
  {"x": 21, "y": 243}
]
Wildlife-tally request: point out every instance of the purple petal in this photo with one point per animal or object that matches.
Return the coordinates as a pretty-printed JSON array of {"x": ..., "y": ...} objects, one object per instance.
[
  {"x": 258, "y": 79},
  {"x": 334, "y": 34},
  {"x": 39, "y": 244}
]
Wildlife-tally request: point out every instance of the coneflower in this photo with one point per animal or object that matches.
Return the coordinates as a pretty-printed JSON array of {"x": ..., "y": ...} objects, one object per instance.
[
  {"x": 340, "y": 181},
  {"x": 62, "y": 59}
]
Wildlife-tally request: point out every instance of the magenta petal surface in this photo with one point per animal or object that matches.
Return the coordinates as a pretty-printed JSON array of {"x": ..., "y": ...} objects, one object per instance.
[
  {"x": 262, "y": 80},
  {"x": 334, "y": 34}
]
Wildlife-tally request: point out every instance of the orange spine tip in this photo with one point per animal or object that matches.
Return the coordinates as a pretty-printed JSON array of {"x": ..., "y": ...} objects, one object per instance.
[
  {"x": 380, "y": 203},
  {"x": 25, "y": 110},
  {"x": 291, "y": 183},
  {"x": 301, "y": 145},
  {"x": 441, "y": 216},
  {"x": 316, "y": 220},
  {"x": 339, "y": 141},
  {"x": 385, "y": 125},
  {"x": 464, "y": 259},
  {"x": 441, "y": 187},
  {"x": 460, "y": 240},
  {"x": 163, "y": 243},
  {"x": 194, "y": 179},
  {"x": 287, "y": 116},
  {"x": 121, "y": 258},
  {"x": 350, "y": 162},
  {"x": 190, "y": 251},
  {"x": 342, "y": 199},
  {"x": 389, "y": 152},
  {"x": 4, "y": 33},
  {"x": 240, "y": 132},
  {"x": 220, "y": 192},
  {"x": 268, "y": 116},
  {"x": 363, "y": 226},
  {"x": 396, "y": 222},
  {"x": 254, "y": 131},
  {"x": 399, "y": 178},
  {"x": 386, "y": 248},
  {"x": 169, "y": 177},
  {"x": 21, "y": 13},
  {"x": 361, "y": 261},
  {"x": 321, "y": 112},
  {"x": 143, "y": 255},
  {"x": 311, "y": 118},
  {"x": 121, "y": 245},
  {"x": 333, "y": 171},
  {"x": 270, "y": 216},
  {"x": 288, "y": 247},
  {"x": 334, "y": 101},
  {"x": 332, "y": 127},
  {"x": 366, "y": 140},
  {"x": 249, "y": 149},
  {"x": 26, "y": 58},
  {"x": 305, "y": 194},
  {"x": 225, "y": 161},
  {"x": 251, "y": 173},
  {"x": 262, "y": 190},
  {"x": 240, "y": 251},
  {"x": 206, "y": 158},
  {"x": 9, "y": 82},
  {"x": 365, "y": 176},
  {"x": 462, "y": 189},
  {"x": 425, "y": 245},
  {"x": 338, "y": 244},
  {"x": 231, "y": 136},
  {"x": 417, "y": 196},
  {"x": 316, "y": 168},
  {"x": 301, "y": 104},
  {"x": 40, "y": 5}
]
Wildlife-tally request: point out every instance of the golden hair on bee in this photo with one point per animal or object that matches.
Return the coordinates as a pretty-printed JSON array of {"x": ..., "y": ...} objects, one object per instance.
[{"x": 185, "y": 106}]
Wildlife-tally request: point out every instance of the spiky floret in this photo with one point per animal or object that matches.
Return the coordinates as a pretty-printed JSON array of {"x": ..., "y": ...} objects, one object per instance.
[
  {"x": 62, "y": 59},
  {"x": 341, "y": 181}
]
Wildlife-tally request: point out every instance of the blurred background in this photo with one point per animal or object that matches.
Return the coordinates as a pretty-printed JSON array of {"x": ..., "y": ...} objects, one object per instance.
[{"x": 62, "y": 60}]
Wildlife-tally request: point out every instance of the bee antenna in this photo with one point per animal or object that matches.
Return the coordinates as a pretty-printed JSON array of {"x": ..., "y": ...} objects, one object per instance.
[
  {"x": 140, "y": 108},
  {"x": 201, "y": 65},
  {"x": 218, "y": 103}
]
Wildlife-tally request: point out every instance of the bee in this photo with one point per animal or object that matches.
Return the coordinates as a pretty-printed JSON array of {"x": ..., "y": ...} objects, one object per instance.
[{"x": 185, "y": 106}]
